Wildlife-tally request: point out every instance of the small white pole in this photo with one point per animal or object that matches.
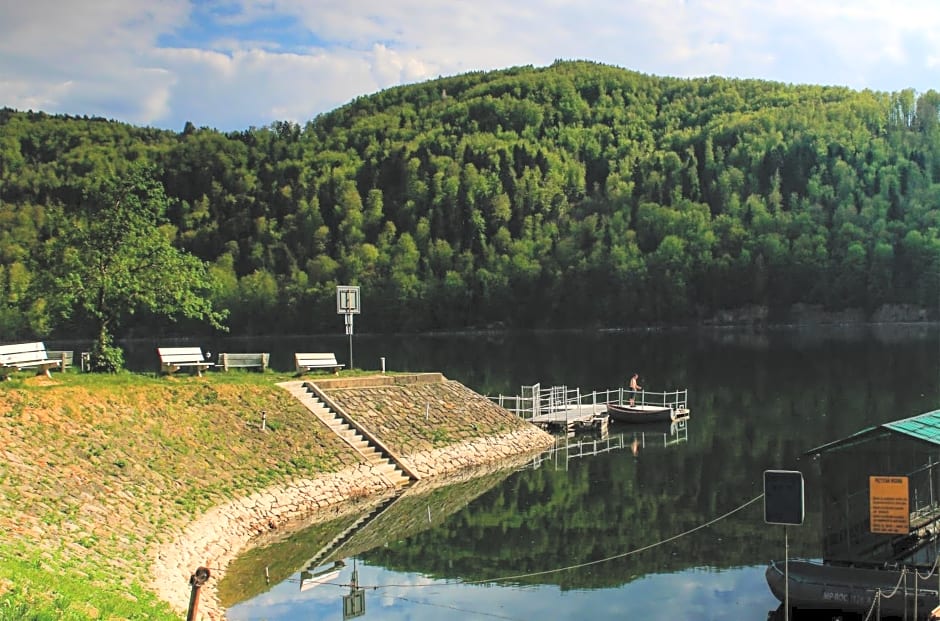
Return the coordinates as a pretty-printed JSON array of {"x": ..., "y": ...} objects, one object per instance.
[
  {"x": 383, "y": 364},
  {"x": 427, "y": 411},
  {"x": 264, "y": 419}
]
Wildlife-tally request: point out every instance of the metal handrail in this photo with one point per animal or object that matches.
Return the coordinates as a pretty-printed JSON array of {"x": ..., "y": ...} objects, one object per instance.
[{"x": 558, "y": 398}]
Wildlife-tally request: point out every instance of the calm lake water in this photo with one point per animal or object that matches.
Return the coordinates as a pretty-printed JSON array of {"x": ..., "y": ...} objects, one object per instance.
[{"x": 576, "y": 537}]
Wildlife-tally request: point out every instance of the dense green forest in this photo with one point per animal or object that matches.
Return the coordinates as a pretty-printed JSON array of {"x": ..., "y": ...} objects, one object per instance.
[{"x": 574, "y": 195}]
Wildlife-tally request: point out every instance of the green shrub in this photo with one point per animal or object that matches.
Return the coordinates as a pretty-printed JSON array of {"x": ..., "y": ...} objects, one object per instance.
[{"x": 105, "y": 356}]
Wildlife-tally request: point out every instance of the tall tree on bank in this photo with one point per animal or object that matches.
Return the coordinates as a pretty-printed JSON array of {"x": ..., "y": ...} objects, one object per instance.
[{"x": 114, "y": 257}]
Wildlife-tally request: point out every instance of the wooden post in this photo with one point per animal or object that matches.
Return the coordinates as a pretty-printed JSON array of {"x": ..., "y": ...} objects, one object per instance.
[{"x": 196, "y": 580}]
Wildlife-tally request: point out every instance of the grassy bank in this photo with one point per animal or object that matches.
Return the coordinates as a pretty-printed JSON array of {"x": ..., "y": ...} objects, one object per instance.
[{"x": 95, "y": 470}]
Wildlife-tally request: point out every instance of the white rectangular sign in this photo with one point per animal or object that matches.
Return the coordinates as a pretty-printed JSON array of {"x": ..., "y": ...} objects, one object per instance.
[{"x": 347, "y": 300}]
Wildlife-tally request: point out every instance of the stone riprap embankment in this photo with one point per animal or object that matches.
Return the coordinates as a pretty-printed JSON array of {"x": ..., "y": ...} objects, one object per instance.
[
  {"x": 217, "y": 537},
  {"x": 434, "y": 425}
]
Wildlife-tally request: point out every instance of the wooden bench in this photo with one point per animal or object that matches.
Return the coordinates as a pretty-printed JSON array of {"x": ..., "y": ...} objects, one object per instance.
[
  {"x": 66, "y": 356},
  {"x": 26, "y": 356},
  {"x": 244, "y": 361},
  {"x": 308, "y": 362},
  {"x": 172, "y": 359}
]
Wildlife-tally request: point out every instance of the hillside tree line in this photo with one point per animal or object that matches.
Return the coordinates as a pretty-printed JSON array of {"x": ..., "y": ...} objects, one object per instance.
[{"x": 575, "y": 195}]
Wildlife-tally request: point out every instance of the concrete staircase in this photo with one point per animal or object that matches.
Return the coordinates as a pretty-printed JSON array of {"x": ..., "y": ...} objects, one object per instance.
[{"x": 372, "y": 454}]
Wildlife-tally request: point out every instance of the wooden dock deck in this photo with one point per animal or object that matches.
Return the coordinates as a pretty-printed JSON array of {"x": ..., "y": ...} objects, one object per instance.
[{"x": 573, "y": 418}]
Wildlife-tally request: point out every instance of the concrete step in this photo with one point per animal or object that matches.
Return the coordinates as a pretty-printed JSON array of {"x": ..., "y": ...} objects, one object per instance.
[
  {"x": 359, "y": 444},
  {"x": 352, "y": 437},
  {"x": 391, "y": 473},
  {"x": 398, "y": 478},
  {"x": 386, "y": 468},
  {"x": 345, "y": 431},
  {"x": 375, "y": 458}
]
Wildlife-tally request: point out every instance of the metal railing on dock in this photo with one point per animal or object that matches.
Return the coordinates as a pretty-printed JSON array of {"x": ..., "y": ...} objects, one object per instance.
[{"x": 534, "y": 402}]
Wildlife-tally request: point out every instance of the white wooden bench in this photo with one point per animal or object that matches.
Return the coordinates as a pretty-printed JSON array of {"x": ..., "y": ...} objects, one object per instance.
[
  {"x": 66, "y": 356},
  {"x": 172, "y": 359},
  {"x": 26, "y": 356},
  {"x": 308, "y": 362},
  {"x": 244, "y": 361}
]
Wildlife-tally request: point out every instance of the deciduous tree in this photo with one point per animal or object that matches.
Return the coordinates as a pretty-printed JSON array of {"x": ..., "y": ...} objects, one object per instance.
[{"x": 114, "y": 257}]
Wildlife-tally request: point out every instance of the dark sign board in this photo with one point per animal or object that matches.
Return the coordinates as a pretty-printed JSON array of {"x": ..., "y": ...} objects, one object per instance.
[
  {"x": 783, "y": 497},
  {"x": 354, "y": 604}
]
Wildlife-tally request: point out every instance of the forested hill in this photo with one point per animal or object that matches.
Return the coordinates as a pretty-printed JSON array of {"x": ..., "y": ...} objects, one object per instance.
[{"x": 572, "y": 195}]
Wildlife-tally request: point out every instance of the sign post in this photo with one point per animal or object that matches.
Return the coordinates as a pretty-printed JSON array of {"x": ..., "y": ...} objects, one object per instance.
[
  {"x": 347, "y": 303},
  {"x": 784, "y": 504},
  {"x": 354, "y": 604}
]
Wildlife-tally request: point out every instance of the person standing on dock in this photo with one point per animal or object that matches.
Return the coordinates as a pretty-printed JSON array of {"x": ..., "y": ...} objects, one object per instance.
[{"x": 635, "y": 387}]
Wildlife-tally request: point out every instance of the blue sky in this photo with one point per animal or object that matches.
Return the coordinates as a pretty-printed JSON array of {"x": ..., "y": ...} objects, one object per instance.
[
  {"x": 695, "y": 593},
  {"x": 233, "y": 64}
]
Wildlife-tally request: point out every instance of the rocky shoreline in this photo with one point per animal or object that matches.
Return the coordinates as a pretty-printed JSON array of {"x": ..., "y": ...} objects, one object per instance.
[
  {"x": 221, "y": 534},
  {"x": 816, "y": 314}
]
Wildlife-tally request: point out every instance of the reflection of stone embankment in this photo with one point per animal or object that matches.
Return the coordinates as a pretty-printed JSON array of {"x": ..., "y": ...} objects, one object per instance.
[
  {"x": 272, "y": 560},
  {"x": 426, "y": 504},
  {"x": 433, "y": 425}
]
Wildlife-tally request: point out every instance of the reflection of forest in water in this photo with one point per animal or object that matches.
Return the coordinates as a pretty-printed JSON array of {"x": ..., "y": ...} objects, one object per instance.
[
  {"x": 758, "y": 400},
  {"x": 594, "y": 508}
]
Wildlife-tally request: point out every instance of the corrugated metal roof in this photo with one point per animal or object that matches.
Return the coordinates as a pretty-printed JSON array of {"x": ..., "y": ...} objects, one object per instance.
[{"x": 925, "y": 427}]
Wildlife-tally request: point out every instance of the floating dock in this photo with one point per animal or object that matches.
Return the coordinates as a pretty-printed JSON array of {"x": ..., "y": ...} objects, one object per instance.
[
  {"x": 569, "y": 410},
  {"x": 574, "y": 418}
]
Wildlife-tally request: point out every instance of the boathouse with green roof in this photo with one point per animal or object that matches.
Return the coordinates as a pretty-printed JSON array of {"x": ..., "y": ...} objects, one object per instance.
[{"x": 864, "y": 479}]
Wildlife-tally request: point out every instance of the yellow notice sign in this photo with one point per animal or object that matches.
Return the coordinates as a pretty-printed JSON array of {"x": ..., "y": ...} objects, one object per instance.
[{"x": 889, "y": 505}]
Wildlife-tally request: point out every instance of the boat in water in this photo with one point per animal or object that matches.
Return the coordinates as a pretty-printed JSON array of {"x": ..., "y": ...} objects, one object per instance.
[
  {"x": 649, "y": 407},
  {"x": 902, "y": 592},
  {"x": 641, "y": 413}
]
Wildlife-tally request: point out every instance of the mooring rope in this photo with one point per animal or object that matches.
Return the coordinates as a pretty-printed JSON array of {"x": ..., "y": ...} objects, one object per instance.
[
  {"x": 903, "y": 579},
  {"x": 936, "y": 563},
  {"x": 876, "y": 601},
  {"x": 581, "y": 565}
]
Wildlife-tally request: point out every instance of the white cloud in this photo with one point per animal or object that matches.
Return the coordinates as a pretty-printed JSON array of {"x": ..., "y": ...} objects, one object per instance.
[
  {"x": 86, "y": 58},
  {"x": 391, "y": 67},
  {"x": 739, "y": 593},
  {"x": 87, "y": 38},
  {"x": 109, "y": 57},
  {"x": 257, "y": 87}
]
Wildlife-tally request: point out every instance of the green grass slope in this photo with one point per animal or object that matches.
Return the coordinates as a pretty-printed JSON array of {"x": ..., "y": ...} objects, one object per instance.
[{"x": 96, "y": 469}]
